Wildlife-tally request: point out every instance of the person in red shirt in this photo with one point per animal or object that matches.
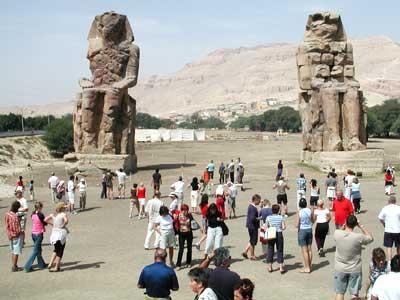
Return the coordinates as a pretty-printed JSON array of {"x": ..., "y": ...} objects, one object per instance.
[
  {"x": 342, "y": 207},
  {"x": 388, "y": 177},
  {"x": 203, "y": 209},
  {"x": 14, "y": 234},
  {"x": 20, "y": 184},
  {"x": 141, "y": 195},
  {"x": 206, "y": 176},
  {"x": 220, "y": 201}
]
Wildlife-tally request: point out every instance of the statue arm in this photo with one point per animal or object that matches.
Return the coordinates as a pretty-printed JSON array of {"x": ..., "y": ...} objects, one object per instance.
[{"x": 132, "y": 70}]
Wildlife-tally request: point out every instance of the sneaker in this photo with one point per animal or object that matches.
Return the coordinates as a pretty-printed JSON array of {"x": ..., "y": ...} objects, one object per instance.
[{"x": 15, "y": 269}]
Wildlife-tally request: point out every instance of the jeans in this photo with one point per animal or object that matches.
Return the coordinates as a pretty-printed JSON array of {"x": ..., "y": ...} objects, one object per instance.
[
  {"x": 279, "y": 249},
  {"x": 188, "y": 237},
  {"x": 214, "y": 239},
  {"x": 221, "y": 178},
  {"x": 150, "y": 232},
  {"x": 356, "y": 204},
  {"x": 36, "y": 253}
]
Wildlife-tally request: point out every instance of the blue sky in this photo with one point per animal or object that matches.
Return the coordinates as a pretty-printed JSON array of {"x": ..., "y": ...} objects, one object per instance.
[{"x": 44, "y": 50}]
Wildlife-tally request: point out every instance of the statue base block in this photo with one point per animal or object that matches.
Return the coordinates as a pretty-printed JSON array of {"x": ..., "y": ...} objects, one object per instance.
[
  {"x": 102, "y": 162},
  {"x": 366, "y": 161}
]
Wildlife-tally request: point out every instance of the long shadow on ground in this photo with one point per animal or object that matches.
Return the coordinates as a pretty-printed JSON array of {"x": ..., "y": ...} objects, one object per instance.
[
  {"x": 165, "y": 166},
  {"x": 94, "y": 265}
]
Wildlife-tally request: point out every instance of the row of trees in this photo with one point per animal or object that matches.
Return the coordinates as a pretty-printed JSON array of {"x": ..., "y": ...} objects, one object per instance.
[
  {"x": 384, "y": 119},
  {"x": 285, "y": 118},
  {"x": 13, "y": 122}
]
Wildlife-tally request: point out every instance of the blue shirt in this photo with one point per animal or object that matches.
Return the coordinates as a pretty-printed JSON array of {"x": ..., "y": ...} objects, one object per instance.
[
  {"x": 275, "y": 221},
  {"x": 158, "y": 279},
  {"x": 305, "y": 218},
  {"x": 210, "y": 167},
  {"x": 265, "y": 212},
  {"x": 252, "y": 214}
]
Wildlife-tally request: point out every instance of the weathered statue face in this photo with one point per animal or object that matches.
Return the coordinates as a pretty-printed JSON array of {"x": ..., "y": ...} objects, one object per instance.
[
  {"x": 324, "y": 27},
  {"x": 111, "y": 25}
]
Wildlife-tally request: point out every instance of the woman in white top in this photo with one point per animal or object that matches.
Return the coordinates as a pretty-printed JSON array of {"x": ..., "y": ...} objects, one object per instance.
[
  {"x": 322, "y": 216},
  {"x": 356, "y": 195},
  {"x": 82, "y": 186},
  {"x": 164, "y": 225},
  {"x": 71, "y": 194},
  {"x": 199, "y": 282},
  {"x": 314, "y": 193},
  {"x": 348, "y": 180},
  {"x": 58, "y": 236}
]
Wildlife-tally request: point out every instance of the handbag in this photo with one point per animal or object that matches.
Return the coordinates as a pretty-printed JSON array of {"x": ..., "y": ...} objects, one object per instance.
[
  {"x": 225, "y": 229},
  {"x": 194, "y": 225},
  {"x": 270, "y": 233},
  {"x": 263, "y": 240}
]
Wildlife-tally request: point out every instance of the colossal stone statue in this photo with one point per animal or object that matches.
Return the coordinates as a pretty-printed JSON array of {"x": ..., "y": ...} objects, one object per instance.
[
  {"x": 104, "y": 115},
  {"x": 330, "y": 102}
]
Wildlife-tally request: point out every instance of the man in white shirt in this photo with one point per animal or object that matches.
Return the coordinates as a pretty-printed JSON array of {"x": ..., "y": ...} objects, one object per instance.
[
  {"x": 153, "y": 211},
  {"x": 178, "y": 188},
  {"x": 82, "y": 186},
  {"x": 53, "y": 182},
  {"x": 387, "y": 286},
  {"x": 22, "y": 212},
  {"x": 121, "y": 175},
  {"x": 390, "y": 218},
  {"x": 232, "y": 193}
]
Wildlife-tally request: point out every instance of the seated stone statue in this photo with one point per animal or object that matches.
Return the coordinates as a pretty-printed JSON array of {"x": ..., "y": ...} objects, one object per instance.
[
  {"x": 330, "y": 103},
  {"x": 104, "y": 115}
]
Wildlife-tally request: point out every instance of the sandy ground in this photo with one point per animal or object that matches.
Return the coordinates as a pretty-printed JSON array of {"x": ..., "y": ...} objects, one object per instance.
[{"x": 104, "y": 253}]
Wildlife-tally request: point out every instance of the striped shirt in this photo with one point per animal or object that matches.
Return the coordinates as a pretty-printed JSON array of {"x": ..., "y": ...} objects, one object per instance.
[
  {"x": 301, "y": 184},
  {"x": 275, "y": 221}
]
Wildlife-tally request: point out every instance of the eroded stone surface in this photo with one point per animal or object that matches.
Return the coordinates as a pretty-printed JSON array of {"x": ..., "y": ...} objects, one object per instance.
[
  {"x": 330, "y": 102},
  {"x": 104, "y": 114}
]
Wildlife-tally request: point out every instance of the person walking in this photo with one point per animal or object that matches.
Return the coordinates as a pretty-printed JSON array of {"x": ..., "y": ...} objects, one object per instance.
[
  {"x": 281, "y": 198},
  {"x": 178, "y": 188},
  {"x": 22, "y": 213},
  {"x": 322, "y": 217},
  {"x": 61, "y": 192},
  {"x": 194, "y": 194},
  {"x": 356, "y": 195},
  {"x": 158, "y": 279},
  {"x": 348, "y": 181},
  {"x": 342, "y": 208},
  {"x": 231, "y": 168},
  {"x": 164, "y": 225},
  {"x": 121, "y": 177},
  {"x": 203, "y": 210},
  {"x": 348, "y": 265},
  {"x": 199, "y": 284},
  {"x": 214, "y": 230},
  {"x": 141, "y": 195},
  {"x": 31, "y": 189},
  {"x": 231, "y": 195},
  {"x": 389, "y": 216},
  {"x": 210, "y": 169},
  {"x": 314, "y": 192},
  {"x": 301, "y": 187},
  {"x": 331, "y": 185},
  {"x": 153, "y": 212},
  {"x": 58, "y": 236},
  {"x": 20, "y": 184},
  {"x": 38, "y": 229},
  {"x": 220, "y": 200},
  {"x": 156, "y": 180},
  {"x": 221, "y": 172},
  {"x": 109, "y": 185},
  {"x": 377, "y": 267},
  {"x": 389, "y": 182},
  {"x": 14, "y": 234},
  {"x": 71, "y": 194},
  {"x": 53, "y": 182},
  {"x": 185, "y": 234},
  {"x": 103, "y": 194},
  {"x": 240, "y": 174},
  {"x": 252, "y": 224},
  {"x": 227, "y": 173},
  {"x": 304, "y": 223},
  {"x": 82, "y": 187},
  {"x": 134, "y": 201},
  {"x": 279, "y": 222},
  {"x": 279, "y": 172}
]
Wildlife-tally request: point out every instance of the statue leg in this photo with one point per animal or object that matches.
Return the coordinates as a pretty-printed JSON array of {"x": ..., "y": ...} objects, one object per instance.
[
  {"x": 88, "y": 115},
  {"x": 331, "y": 112},
  {"x": 109, "y": 134},
  {"x": 352, "y": 119}
]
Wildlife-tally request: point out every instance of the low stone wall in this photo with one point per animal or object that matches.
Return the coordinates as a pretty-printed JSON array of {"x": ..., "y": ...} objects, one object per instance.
[{"x": 366, "y": 161}]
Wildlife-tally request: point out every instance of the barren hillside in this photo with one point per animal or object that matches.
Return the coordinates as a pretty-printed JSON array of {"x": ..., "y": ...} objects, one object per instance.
[{"x": 229, "y": 76}]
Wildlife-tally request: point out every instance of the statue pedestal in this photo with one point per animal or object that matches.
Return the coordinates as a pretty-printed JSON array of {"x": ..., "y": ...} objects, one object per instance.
[
  {"x": 102, "y": 162},
  {"x": 367, "y": 161}
]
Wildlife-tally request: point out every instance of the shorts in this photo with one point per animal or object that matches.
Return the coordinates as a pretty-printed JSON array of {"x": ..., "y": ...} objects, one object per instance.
[
  {"x": 313, "y": 200},
  {"x": 232, "y": 202},
  {"x": 351, "y": 281},
  {"x": 253, "y": 234},
  {"x": 121, "y": 186},
  {"x": 304, "y": 237},
  {"x": 331, "y": 192},
  {"x": 167, "y": 239},
  {"x": 134, "y": 202},
  {"x": 391, "y": 239},
  {"x": 16, "y": 246},
  {"x": 71, "y": 197},
  {"x": 59, "y": 249},
  {"x": 281, "y": 199},
  {"x": 142, "y": 201}
]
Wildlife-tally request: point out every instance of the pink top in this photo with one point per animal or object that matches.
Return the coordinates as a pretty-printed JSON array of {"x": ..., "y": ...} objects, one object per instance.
[{"x": 37, "y": 224}]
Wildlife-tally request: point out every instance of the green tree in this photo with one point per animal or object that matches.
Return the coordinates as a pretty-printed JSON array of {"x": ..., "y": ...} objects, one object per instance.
[
  {"x": 387, "y": 113},
  {"x": 374, "y": 125},
  {"x": 58, "y": 136}
]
